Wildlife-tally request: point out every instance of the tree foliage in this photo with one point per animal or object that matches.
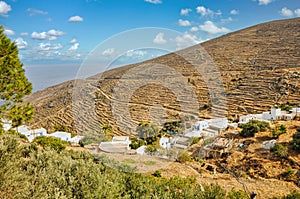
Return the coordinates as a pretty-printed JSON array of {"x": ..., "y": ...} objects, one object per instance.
[
  {"x": 29, "y": 171},
  {"x": 278, "y": 130},
  {"x": 251, "y": 128},
  {"x": 280, "y": 150},
  {"x": 13, "y": 83},
  {"x": 147, "y": 131},
  {"x": 295, "y": 143},
  {"x": 52, "y": 142}
]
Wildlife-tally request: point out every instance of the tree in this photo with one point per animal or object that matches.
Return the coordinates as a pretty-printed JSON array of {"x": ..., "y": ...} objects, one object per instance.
[
  {"x": 280, "y": 150},
  {"x": 295, "y": 143},
  {"x": 107, "y": 130},
  {"x": 147, "y": 130},
  {"x": 52, "y": 142},
  {"x": 13, "y": 83},
  {"x": 278, "y": 131},
  {"x": 253, "y": 127}
]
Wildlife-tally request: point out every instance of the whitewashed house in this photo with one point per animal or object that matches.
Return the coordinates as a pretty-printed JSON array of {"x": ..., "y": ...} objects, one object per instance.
[
  {"x": 76, "y": 139},
  {"x": 141, "y": 150},
  {"x": 119, "y": 144},
  {"x": 31, "y": 134},
  {"x": 247, "y": 118},
  {"x": 165, "y": 143},
  {"x": 61, "y": 135},
  {"x": 296, "y": 111},
  {"x": 218, "y": 123},
  {"x": 268, "y": 144},
  {"x": 200, "y": 125}
]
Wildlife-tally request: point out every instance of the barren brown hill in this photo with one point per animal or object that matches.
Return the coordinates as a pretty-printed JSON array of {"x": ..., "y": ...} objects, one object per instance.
[{"x": 258, "y": 67}]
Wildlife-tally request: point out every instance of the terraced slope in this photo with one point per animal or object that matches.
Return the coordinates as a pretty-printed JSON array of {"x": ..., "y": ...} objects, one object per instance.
[{"x": 258, "y": 67}]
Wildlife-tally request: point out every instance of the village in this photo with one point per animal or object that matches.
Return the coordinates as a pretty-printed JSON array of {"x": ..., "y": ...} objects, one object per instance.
[{"x": 171, "y": 143}]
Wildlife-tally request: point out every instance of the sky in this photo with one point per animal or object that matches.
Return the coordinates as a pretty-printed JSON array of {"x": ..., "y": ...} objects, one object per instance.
[{"x": 65, "y": 32}]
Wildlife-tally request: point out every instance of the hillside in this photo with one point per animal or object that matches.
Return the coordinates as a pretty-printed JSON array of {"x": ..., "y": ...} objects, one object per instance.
[{"x": 259, "y": 66}]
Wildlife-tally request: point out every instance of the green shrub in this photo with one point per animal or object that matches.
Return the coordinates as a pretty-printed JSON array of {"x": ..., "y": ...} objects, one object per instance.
[
  {"x": 254, "y": 126},
  {"x": 233, "y": 194},
  {"x": 184, "y": 157},
  {"x": 295, "y": 143},
  {"x": 157, "y": 174},
  {"x": 278, "y": 130},
  {"x": 54, "y": 143},
  {"x": 136, "y": 143},
  {"x": 289, "y": 173},
  {"x": 195, "y": 140},
  {"x": 280, "y": 150}
]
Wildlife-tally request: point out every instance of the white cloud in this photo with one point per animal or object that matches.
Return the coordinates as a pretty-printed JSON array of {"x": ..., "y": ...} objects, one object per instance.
[
  {"x": 33, "y": 11},
  {"x": 264, "y": 2},
  {"x": 48, "y": 46},
  {"x": 136, "y": 54},
  {"x": 211, "y": 28},
  {"x": 24, "y": 34},
  {"x": 229, "y": 19},
  {"x": 184, "y": 22},
  {"x": 73, "y": 41},
  {"x": 286, "y": 12},
  {"x": 234, "y": 12},
  {"x": 186, "y": 40},
  {"x": 159, "y": 39},
  {"x": 55, "y": 33},
  {"x": 76, "y": 19},
  {"x": 21, "y": 43},
  {"x": 4, "y": 8},
  {"x": 297, "y": 12},
  {"x": 194, "y": 29},
  {"x": 51, "y": 35},
  {"x": 185, "y": 11},
  {"x": 154, "y": 1},
  {"x": 75, "y": 46},
  {"x": 109, "y": 52},
  {"x": 204, "y": 11},
  {"x": 39, "y": 36},
  {"x": 9, "y": 32}
]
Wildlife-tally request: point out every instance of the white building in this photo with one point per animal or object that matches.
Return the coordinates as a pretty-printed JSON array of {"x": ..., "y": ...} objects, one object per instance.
[
  {"x": 76, "y": 139},
  {"x": 218, "y": 123},
  {"x": 61, "y": 135},
  {"x": 277, "y": 114},
  {"x": 247, "y": 118},
  {"x": 119, "y": 144},
  {"x": 268, "y": 144},
  {"x": 141, "y": 150},
  {"x": 200, "y": 125},
  {"x": 208, "y": 128},
  {"x": 31, "y": 134},
  {"x": 164, "y": 142}
]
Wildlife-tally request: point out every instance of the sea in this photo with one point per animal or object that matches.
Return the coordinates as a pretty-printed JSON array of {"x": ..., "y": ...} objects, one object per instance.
[{"x": 44, "y": 76}]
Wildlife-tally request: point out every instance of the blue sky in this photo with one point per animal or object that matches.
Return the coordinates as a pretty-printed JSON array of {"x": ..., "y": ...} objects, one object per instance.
[{"x": 66, "y": 31}]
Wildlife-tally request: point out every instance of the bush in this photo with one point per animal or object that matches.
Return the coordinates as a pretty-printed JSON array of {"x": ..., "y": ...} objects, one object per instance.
[
  {"x": 184, "y": 157},
  {"x": 253, "y": 127},
  {"x": 54, "y": 143},
  {"x": 233, "y": 194},
  {"x": 152, "y": 148},
  {"x": 295, "y": 143},
  {"x": 157, "y": 174},
  {"x": 136, "y": 143},
  {"x": 289, "y": 173},
  {"x": 195, "y": 140},
  {"x": 280, "y": 150},
  {"x": 279, "y": 130}
]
